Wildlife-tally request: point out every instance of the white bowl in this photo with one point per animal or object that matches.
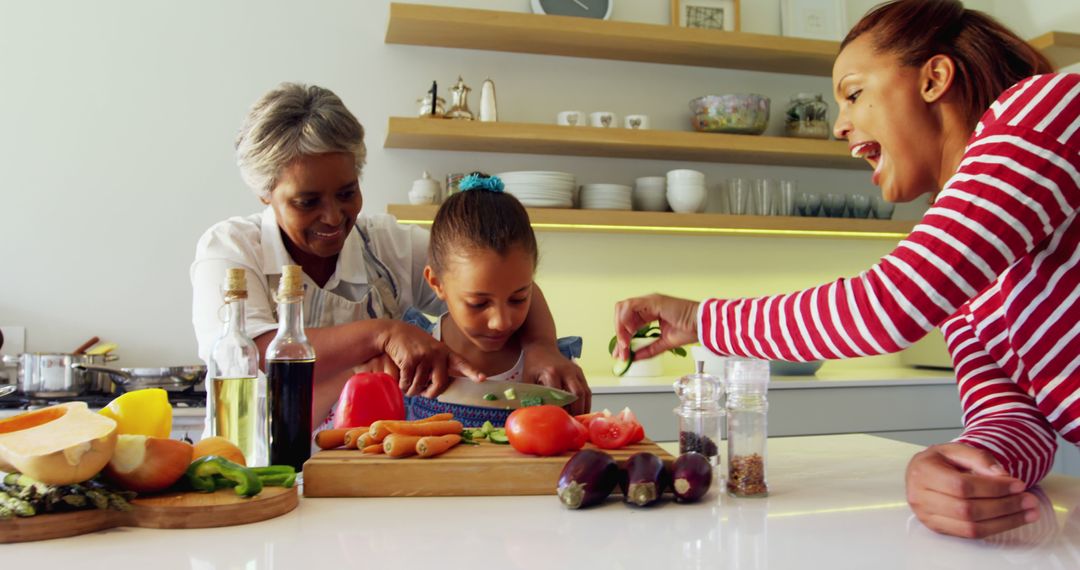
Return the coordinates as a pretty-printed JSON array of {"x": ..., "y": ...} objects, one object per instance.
[
  {"x": 650, "y": 199},
  {"x": 687, "y": 199},
  {"x": 649, "y": 181},
  {"x": 419, "y": 198},
  {"x": 685, "y": 175}
]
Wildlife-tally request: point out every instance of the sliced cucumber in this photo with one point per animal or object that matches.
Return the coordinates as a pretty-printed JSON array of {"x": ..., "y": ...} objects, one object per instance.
[
  {"x": 557, "y": 396},
  {"x": 490, "y": 397},
  {"x": 498, "y": 435},
  {"x": 487, "y": 428},
  {"x": 510, "y": 394},
  {"x": 622, "y": 365}
]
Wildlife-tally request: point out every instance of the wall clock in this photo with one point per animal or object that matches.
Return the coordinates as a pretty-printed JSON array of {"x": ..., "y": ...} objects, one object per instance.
[{"x": 599, "y": 9}]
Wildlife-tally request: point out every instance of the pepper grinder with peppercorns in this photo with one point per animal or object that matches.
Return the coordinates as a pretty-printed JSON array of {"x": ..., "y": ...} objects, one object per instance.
[
  {"x": 700, "y": 414},
  {"x": 747, "y": 414}
]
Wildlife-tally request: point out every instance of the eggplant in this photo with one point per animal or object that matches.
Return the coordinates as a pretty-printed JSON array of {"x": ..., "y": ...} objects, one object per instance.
[
  {"x": 587, "y": 479},
  {"x": 646, "y": 479},
  {"x": 691, "y": 477}
]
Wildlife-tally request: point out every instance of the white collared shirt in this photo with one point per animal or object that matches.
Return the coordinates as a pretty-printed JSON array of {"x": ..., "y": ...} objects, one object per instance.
[{"x": 254, "y": 243}]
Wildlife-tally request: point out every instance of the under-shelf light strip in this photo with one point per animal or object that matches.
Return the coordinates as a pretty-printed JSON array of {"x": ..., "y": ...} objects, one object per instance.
[{"x": 693, "y": 230}]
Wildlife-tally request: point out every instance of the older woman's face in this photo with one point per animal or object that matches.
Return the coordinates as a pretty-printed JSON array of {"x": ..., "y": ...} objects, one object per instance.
[
  {"x": 886, "y": 120},
  {"x": 316, "y": 201}
]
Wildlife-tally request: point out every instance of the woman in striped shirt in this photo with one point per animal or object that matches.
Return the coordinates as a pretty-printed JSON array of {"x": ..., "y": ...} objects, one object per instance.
[{"x": 940, "y": 99}]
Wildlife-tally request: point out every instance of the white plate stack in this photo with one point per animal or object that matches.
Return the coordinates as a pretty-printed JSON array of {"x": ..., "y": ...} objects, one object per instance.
[
  {"x": 605, "y": 197},
  {"x": 541, "y": 188}
]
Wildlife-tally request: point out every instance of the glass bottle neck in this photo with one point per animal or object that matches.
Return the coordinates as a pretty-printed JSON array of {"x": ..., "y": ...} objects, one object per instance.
[
  {"x": 237, "y": 317},
  {"x": 291, "y": 320}
]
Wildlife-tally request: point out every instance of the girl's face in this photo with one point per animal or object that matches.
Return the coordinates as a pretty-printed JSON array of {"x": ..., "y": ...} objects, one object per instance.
[
  {"x": 889, "y": 118},
  {"x": 487, "y": 294},
  {"x": 316, "y": 201}
]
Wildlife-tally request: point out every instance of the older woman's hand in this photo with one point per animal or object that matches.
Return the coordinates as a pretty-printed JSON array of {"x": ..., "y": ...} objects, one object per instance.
[
  {"x": 426, "y": 364},
  {"x": 677, "y": 317},
  {"x": 960, "y": 490},
  {"x": 544, "y": 364}
]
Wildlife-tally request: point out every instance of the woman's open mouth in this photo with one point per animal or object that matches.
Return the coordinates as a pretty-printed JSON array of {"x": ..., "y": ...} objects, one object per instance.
[
  {"x": 328, "y": 235},
  {"x": 871, "y": 151}
]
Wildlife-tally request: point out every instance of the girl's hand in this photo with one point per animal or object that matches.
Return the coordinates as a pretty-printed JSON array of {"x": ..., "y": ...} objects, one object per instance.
[
  {"x": 544, "y": 364},
  {"x": 677, "y": 317},
  {"x": 960, "y": 490},
  {"x": 426, "y": 364}
]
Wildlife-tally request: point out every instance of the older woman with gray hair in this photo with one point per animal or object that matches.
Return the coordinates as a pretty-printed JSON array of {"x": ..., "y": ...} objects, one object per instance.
[{"x": 301, "y": 151}]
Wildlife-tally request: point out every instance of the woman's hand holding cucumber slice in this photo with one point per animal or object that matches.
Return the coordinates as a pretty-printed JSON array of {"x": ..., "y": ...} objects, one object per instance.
[{"x": 677, "y": 320}]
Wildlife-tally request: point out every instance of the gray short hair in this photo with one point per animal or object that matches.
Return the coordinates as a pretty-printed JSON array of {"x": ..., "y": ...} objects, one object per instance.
[{"x": 294, "y": 120}]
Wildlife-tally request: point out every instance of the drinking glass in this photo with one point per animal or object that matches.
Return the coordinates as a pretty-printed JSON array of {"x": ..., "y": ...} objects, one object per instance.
[
  {"x": 785, "y": 201},
  {"x": 809, "y": 204},
  {"x": 738, "y": 195},
  {"x": 764, "y": 192}
]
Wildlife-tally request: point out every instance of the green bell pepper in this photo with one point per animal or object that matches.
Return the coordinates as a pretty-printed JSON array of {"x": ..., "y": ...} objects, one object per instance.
[{"x": 200, "y": 475}]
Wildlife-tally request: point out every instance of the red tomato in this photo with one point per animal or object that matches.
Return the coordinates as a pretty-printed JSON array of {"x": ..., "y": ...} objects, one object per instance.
[
  {"x": 542, "y": 430},
  {"x": 582, "y": 435},
  {"x": 627, "y": 416},
  {"x": 587, "y": 419},
  {"x": 637, "y": 434},
  {"x": 610, "y": 433}
]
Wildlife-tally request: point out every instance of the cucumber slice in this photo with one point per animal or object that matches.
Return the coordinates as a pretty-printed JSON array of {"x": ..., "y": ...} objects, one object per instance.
[
  {"x": 510, "y": 394},
  {"x": 621, "y": 366},
  {"x": 487, "y": 428},
  {"x": 498, "y": 435}
]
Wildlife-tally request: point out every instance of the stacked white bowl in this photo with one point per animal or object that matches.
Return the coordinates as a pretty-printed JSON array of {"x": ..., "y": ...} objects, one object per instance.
[
  {"x": 648, "y": 194},
  {"x": 686, "y": 191},
  {"x": 541, "y": 188},
  {"x": 605, "y": 197}
]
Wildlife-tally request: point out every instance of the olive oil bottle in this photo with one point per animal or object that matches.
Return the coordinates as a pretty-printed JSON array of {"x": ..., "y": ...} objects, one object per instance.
[
  {"x": 237, "y": 390},
  {"x": 290, "y": 372}
]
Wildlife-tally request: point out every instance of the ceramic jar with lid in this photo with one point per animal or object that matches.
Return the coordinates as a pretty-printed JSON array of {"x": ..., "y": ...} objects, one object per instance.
[
  {"x": 807, "y": 116},
  {"x": 425, "y": 190}
]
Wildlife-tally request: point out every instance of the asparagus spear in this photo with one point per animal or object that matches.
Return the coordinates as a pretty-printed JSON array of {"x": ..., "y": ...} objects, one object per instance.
[{"x": 17, "y": 505}]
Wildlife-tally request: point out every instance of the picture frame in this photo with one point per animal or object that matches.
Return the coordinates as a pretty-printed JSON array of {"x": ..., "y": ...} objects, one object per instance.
[
  {"x": 706, "y": 14},
  {"x": 813, "y": 19}
]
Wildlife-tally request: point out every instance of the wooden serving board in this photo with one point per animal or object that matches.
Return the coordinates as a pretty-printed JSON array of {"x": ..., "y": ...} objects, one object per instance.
[
  {"x": 466, "y": 470},
  {"x": 169, "y": 510}
]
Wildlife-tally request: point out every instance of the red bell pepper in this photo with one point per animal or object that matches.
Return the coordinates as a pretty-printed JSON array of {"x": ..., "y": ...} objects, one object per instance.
[{"x": 369, "y": 397}]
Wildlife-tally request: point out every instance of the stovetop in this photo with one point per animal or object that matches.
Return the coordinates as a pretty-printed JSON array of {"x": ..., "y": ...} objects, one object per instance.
[{"x": 16, "y": 401}]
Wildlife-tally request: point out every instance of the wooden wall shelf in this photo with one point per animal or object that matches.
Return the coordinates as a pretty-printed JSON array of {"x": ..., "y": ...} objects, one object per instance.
[
  {"x": 539, "y": 138},
  {"x": 550, "y": 219},
  {"x": 494, "y": 30},
  {"x": 1061, "y": 48}
]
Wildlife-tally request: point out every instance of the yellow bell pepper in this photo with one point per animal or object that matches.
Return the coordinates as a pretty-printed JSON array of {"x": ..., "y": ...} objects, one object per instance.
[{"x": 141, "y": 412}]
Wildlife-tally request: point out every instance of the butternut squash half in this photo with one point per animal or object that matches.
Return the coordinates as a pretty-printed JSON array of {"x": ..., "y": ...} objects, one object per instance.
[{"x": 58, "y": 445}]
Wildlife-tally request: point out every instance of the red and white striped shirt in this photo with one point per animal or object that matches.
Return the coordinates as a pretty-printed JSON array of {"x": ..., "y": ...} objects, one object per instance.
[{"x": 995, "y": 263}]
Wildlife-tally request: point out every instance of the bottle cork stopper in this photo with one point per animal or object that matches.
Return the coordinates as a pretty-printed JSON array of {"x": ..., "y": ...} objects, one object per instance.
[
  {"x": 235, "y": 284},
  {"x": 292, "y": 282}
]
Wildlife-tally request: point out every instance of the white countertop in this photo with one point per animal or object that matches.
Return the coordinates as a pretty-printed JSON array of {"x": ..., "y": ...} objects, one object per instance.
[{"x": 836, "y": 502}]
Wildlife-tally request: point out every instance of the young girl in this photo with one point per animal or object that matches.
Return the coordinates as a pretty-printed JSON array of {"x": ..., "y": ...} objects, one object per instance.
[{"x": 481, "y": 261}]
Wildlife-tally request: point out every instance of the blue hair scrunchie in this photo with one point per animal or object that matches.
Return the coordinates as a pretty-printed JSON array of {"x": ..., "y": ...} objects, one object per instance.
[{"x": 477, "y": 181}]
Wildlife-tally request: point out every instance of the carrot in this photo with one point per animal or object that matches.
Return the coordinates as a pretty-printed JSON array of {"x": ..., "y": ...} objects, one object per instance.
[
  {"x": 434, "y": 445},
  {"x": 376, "y": 448},
  {"x": 352, "y": 436},
  {"x": 426, "y": 428},
  {"x": 330, "y": 438},
  {"x": 380, "y": 429},
  {"x": 397, "y": 445}
]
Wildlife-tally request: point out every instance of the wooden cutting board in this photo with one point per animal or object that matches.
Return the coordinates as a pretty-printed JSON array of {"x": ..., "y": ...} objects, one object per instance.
[
  {"x": 466, "y": 470},
  {"x": 169, "y": 510}
]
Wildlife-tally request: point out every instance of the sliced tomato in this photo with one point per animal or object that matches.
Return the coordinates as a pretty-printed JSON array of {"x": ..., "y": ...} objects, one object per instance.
[
  {"x": 610, "y": 433},
  {"x": 582, "y": 435},
  {"x": 586, "y": 419},
  {"x": 627, "y": 416},
  {"x": 637, "y": 434}
]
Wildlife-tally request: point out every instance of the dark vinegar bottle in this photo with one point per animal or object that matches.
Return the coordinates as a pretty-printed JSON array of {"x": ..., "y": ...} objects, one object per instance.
[{"x": 290, "y": 374}]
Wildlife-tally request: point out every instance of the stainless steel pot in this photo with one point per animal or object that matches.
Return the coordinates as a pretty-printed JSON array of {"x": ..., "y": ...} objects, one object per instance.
[
  {"x": 172, "y": 378},
  {"x": 52, "y": 374}
]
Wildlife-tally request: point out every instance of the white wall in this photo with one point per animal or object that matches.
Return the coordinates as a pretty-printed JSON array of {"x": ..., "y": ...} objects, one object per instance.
[{"x": 117, "y": 120}]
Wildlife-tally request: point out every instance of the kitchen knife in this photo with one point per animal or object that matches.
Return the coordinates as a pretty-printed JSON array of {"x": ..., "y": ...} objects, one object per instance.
[{"x": 502, "y": 395}]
